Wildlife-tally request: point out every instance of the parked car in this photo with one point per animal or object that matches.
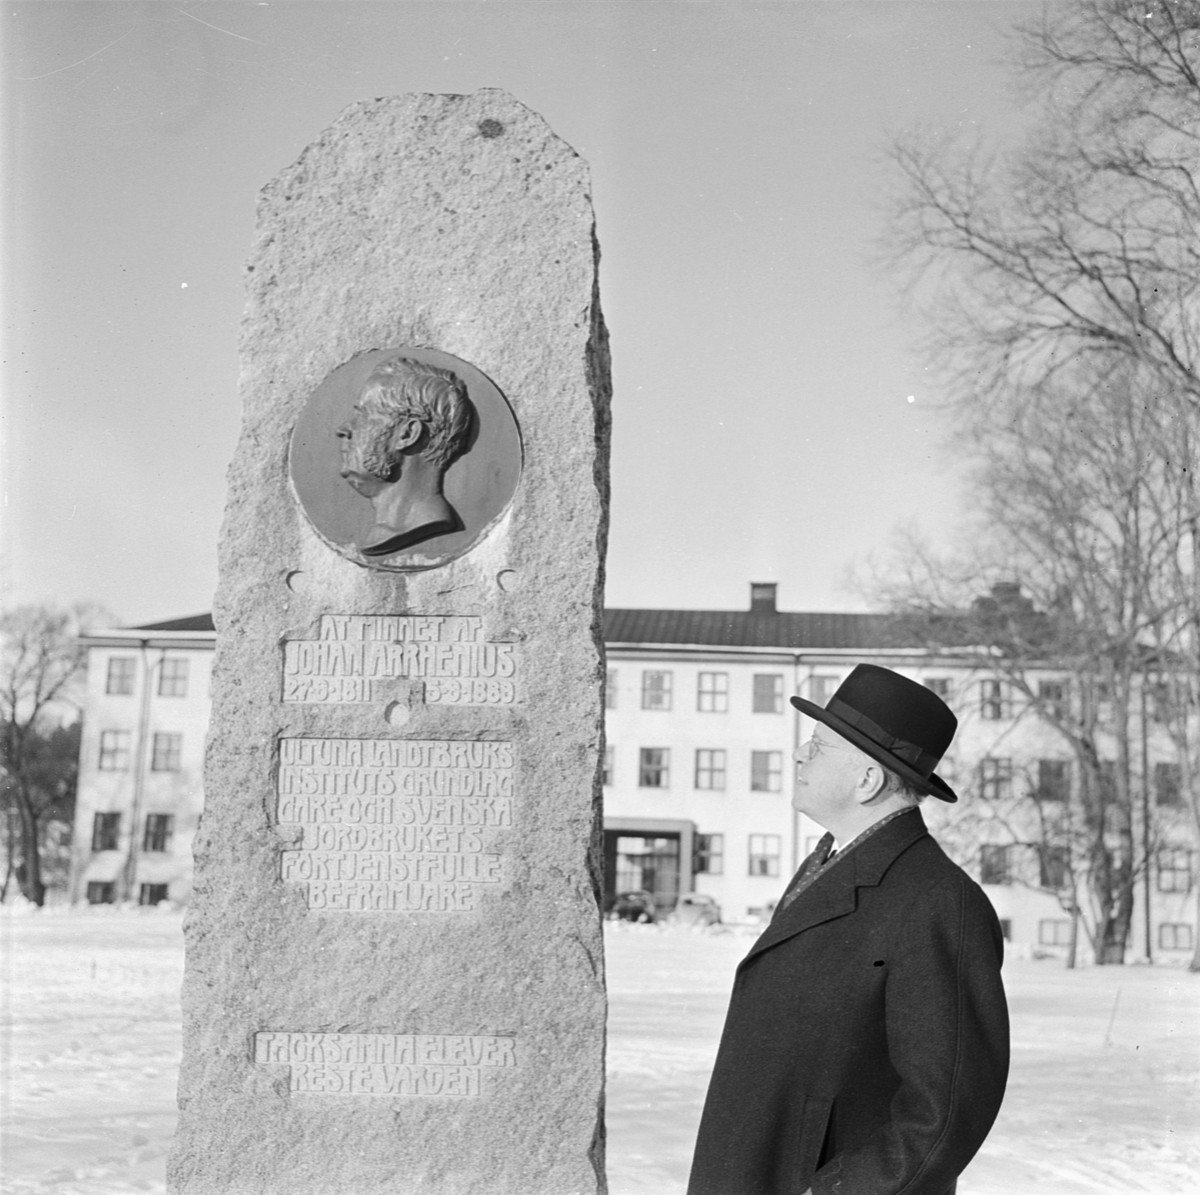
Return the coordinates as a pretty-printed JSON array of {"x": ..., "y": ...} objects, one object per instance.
[
  {"x": 633, "y": 906},
  {"x": 694, "y": 908}
]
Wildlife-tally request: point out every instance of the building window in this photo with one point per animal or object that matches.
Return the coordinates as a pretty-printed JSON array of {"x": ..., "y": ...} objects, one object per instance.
[
  {"x": 994, "y": 701},
  {"x": 101, "y": 892},
  {"x": 1174, "y": 869},
  {"x": 610, "y": 689},
  {"x": 1054, "y": 867},
  {"x": 654, "y": 767},
  {"x": 1054, "y": 780},
  {"x": 708, "y": 854},
  {"x": 994, "y": 865},
  {"x": 821, "y": 689},
  {"x": 766, "y": 771},
  {"x": 121, "y": 673},
  {"x": 158, "y": 832},
  {"x": 606, "y": 774},
  {"x": 710, "y": 769},
  {"x": 656, "y": 690},
  {"x": 649, "y": 865},
  {"x": 939, "y": 685},
  {"x": 768, "y": 693},
  {"x": 152, "y": 894},
  {"x": 166, "y": 753},
  {"x": 764, "y": 855},
  {"x": 995, "y": 777},
  {"x": 1174, "y": 935},
  {"x": 712, "y": 693},
  {"x": 105, "y": 829},
  {"x": 1052, "y": 697},
  {"x": 114, "y": 750},
  {"x": 1054, "y": 932},
  {"x": 173, "y": 678},
  {"x": 1168, "y": 784}
]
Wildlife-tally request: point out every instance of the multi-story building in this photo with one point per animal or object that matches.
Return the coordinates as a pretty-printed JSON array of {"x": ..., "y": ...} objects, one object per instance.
[
  {"x": 140, "y": 791},
  {"x": 698, "y": 774},
  {"x": 699, "y": 777},
  {"x": 698, "y": 768}
]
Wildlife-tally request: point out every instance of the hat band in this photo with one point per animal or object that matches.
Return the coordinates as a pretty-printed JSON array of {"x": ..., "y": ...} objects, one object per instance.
[{"x": 910, "y": 753}]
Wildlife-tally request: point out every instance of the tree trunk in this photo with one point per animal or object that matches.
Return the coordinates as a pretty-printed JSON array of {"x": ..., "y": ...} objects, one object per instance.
[
  {"x": 1110, "y": 951},
  {"x": 1194, "y": 965},
  {"x": 30, "y": 875},
  {"x": 1113, "y": 935},
  {"x": 10, "y": 842}
]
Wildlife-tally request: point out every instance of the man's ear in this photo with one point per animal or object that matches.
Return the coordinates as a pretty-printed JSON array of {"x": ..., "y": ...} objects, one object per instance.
[
  {"x": 407, "y": 434},
  {"x": 872, "y": 781}
]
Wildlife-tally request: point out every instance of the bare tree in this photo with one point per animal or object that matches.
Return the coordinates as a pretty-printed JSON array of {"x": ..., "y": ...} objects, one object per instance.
[
  {"x": 1061, "y": 284},
  {"x": 1042, "y": 827},
  {"x": 1087, "y": 831},
  {"x": 1083, "y": 242},
  {"x": 41, "y": 663},
  {"x": 1178, "y": 642},
  {"x": 1076, "y": 500}
]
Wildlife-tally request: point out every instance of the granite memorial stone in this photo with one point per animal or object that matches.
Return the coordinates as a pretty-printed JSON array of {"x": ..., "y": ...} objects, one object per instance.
[{"x": 394, "y": 974}]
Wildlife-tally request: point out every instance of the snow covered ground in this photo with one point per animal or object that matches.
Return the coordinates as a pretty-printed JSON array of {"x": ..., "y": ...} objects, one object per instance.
[{"x": 1104, "y": 1096}]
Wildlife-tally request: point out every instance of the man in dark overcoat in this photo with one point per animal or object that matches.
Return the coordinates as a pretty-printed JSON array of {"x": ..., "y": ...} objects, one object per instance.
[{"x": 865, "y": 1050}]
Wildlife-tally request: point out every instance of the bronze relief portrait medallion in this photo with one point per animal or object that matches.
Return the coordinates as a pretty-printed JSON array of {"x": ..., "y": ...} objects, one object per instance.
[{"x": 404, "y": 458}]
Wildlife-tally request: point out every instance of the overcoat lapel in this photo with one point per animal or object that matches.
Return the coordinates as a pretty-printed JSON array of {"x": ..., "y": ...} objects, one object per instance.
[{"x": 834, "y": 894}]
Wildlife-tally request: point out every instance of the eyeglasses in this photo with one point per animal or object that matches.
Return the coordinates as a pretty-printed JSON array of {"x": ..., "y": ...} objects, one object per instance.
[{"x": 815, "y": 746}]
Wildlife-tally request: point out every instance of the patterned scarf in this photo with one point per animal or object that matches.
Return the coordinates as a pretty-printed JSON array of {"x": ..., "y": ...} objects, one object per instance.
[{"x": 820, "y": 860}]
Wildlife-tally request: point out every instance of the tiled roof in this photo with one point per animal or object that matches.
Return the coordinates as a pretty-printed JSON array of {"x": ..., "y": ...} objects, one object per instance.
[
  {"x": 741, "y": 628},
  {"x": 195, "y": 622},
  {"x": 714, "y": 628}
]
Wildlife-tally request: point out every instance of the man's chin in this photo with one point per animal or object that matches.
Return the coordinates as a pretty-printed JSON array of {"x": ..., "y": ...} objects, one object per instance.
[{"x": 367, "y": 484}]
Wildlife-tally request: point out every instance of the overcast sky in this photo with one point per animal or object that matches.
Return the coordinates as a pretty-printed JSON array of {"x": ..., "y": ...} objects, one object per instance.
[{"x": 773, "y": 417}]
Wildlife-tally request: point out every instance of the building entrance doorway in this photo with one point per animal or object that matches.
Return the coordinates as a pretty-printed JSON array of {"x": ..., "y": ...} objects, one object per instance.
[{"x": 638, "y": 863}]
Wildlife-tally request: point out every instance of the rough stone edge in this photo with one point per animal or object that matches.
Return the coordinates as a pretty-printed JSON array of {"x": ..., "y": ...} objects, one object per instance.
[{"x": 598, "y": 372}]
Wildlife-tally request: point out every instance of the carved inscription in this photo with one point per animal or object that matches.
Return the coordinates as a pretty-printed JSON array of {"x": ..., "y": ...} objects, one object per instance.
[
  {"x": 429, "y": 1064},
  {"x": 394, "y": 825},
  {"x": 357, "y": 654}
]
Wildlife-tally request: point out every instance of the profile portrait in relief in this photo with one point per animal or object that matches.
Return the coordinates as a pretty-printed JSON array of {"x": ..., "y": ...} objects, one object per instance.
[
  {"x": 411, "y": 421},
  {"x": 404, "y": 457}
]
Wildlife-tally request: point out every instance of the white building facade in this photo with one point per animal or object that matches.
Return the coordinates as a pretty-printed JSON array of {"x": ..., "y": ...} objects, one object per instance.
[
  {"x": 700, "y": 736},
  {"x": 140, "y": 791}
]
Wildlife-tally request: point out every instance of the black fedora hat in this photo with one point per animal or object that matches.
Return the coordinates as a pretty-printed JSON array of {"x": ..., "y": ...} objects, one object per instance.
[{"x": 894, "y": 720}]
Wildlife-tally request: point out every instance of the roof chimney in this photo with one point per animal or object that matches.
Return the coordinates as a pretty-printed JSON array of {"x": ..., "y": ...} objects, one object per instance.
[{"x": 762, "y": 597}]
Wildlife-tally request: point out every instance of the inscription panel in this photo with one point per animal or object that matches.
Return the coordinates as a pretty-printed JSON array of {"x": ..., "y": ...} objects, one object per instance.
[
  {"x": 394, "y": 825},
  {"x": 356, "y": 655},
  {"x": 389, "y": 1064}
]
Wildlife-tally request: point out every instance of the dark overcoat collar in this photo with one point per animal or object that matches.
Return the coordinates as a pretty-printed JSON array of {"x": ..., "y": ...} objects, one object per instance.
[{"x": 834, "y": 893}]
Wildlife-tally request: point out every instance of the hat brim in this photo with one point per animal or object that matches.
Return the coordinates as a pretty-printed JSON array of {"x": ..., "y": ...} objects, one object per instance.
[{"x": 932, "y": 785}]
